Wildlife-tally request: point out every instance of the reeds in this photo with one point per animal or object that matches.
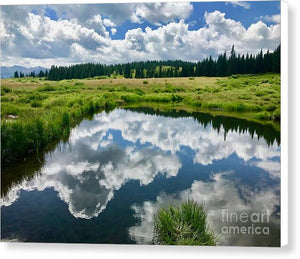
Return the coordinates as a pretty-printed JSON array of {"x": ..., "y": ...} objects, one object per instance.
[{"x": 185, "y": 224}]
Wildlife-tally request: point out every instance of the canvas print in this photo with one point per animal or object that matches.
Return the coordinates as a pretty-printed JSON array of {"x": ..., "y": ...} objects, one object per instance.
[{"x": 141, "y": 123}]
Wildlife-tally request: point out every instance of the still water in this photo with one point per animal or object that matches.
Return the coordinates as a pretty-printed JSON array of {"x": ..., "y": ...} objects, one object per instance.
[{"x": 105, "y": 184}]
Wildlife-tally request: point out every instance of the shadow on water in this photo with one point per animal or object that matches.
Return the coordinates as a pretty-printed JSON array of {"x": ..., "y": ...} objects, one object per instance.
[{"x": 18, "y": 172}]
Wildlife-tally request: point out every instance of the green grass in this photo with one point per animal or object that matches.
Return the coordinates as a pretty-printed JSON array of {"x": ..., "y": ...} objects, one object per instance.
[
  {"x": 40, "y": 105},
  {"x": 185, "y": 224}
]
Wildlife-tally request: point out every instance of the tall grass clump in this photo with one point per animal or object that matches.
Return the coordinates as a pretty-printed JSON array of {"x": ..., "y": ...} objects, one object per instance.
[
  {"x": 46, "y": 88},
  {"x": 131, "y": 98},
  {"x": 5, "y": 90},
  {"x": 185, "y": 224}
]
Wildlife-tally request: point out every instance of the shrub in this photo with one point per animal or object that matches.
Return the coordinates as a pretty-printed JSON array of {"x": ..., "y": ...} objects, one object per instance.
[
  {"x": 238, "y": 107},
  {"x": 65, "y": 125},
  {"x": 46, "y": 88},
  {"x": 176, "y": 98},
  {"x": 263, "y": 116},
  {"x": 183, "y": 225},
  {"x": 100, "y": 77},
  {"x": 109, "y": 105},
  {"x": 5, "y": 90},
  {"x": 244, "y": 97},
  {"x": 36, "y": 103},
  {"x": 276, "y": 115},
  {"x": 5, "y": 99},
  {"x": 158, "y": 98},
  {"x": 145, "y": 82},
  {"x": 91, "y": 107},
  {"x": 130, "y": 98},
  {"x": 216, "y": 90},
  {"x": 260, "y": 93},
  {"x": 138, "y": 91},
  {"x": 213, "y": 105},
  {"x": 271, "y": 107}
]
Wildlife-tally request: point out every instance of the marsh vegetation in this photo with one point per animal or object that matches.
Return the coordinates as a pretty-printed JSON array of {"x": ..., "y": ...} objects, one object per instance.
[{"x": 184, "y": 224}]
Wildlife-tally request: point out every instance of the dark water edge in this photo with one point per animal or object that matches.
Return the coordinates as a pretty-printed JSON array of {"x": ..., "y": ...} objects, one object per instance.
[{"x": 266, "y": 131}]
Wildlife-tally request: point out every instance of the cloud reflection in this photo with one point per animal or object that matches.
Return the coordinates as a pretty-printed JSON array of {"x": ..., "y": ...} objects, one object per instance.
[
  {"x": 170, "y": 134},
  {"x": 86, "y": 178},
  {"x": 112, "y": 149},
  {"x": 218, "y": 194}
]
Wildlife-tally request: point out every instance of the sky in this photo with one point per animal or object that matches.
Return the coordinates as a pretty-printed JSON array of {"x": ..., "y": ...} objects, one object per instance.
[{"x": 45, "y": 35}]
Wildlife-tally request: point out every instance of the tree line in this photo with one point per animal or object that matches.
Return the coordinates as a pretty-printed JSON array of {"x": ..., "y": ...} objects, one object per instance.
[
  {"x": 20, "y": 74},
  {"x": 223, "y": 65}
]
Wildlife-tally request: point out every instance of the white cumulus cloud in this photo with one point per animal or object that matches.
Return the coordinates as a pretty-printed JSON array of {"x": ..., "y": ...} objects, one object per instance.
[
  {"x": 243, "y": 4},
  {"x": 158, "y": 13},
  {"x": 113, "y": 31},
  {"x": 39, "y": 40},
  {"x": 272, "y": 18}
]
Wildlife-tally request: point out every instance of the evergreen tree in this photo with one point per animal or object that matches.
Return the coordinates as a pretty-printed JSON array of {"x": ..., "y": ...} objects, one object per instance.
[
  {"x": 127, "y": 71},
  {"x": 41, "y": 73}
]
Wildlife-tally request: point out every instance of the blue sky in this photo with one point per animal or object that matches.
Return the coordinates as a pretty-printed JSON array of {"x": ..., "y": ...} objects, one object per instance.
[
  {"x": 246, "y": 16},
  {"x": 118, "y": 33}
]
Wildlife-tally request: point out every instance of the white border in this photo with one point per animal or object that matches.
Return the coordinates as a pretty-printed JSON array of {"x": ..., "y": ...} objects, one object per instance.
[{"x": 284, "y": 125}]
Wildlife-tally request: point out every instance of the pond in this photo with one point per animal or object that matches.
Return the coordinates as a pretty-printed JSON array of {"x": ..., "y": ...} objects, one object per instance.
[{"x": 105, "y": 184}]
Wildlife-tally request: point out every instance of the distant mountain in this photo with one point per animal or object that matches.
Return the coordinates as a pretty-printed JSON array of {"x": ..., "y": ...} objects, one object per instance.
[{"x": 9, "y": 71}]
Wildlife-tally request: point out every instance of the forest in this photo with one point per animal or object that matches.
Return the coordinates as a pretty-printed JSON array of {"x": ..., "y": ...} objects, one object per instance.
[{"x": 224, "y": 65}]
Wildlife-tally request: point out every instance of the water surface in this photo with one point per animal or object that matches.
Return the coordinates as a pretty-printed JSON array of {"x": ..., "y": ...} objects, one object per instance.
[{"x": 107, "y": 182}]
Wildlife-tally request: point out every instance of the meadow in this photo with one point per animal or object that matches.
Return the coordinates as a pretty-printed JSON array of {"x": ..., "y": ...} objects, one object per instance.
[{"x": 37, "y": 113}]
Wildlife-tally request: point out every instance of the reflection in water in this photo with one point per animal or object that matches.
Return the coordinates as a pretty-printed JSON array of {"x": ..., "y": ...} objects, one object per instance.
[
  {"x": 267, "y": 132},
  {"x": 85, "y": 178},
  {"x": 171, "y": 159},
  {"x": 15, "y": 174},
  {"x": 217, "y": 195}
]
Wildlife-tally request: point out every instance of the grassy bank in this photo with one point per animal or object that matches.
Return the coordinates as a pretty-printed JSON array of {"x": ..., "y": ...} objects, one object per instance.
[
  {"x": 36, "y": 113},
  {"x": 183, "y": 225}
]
